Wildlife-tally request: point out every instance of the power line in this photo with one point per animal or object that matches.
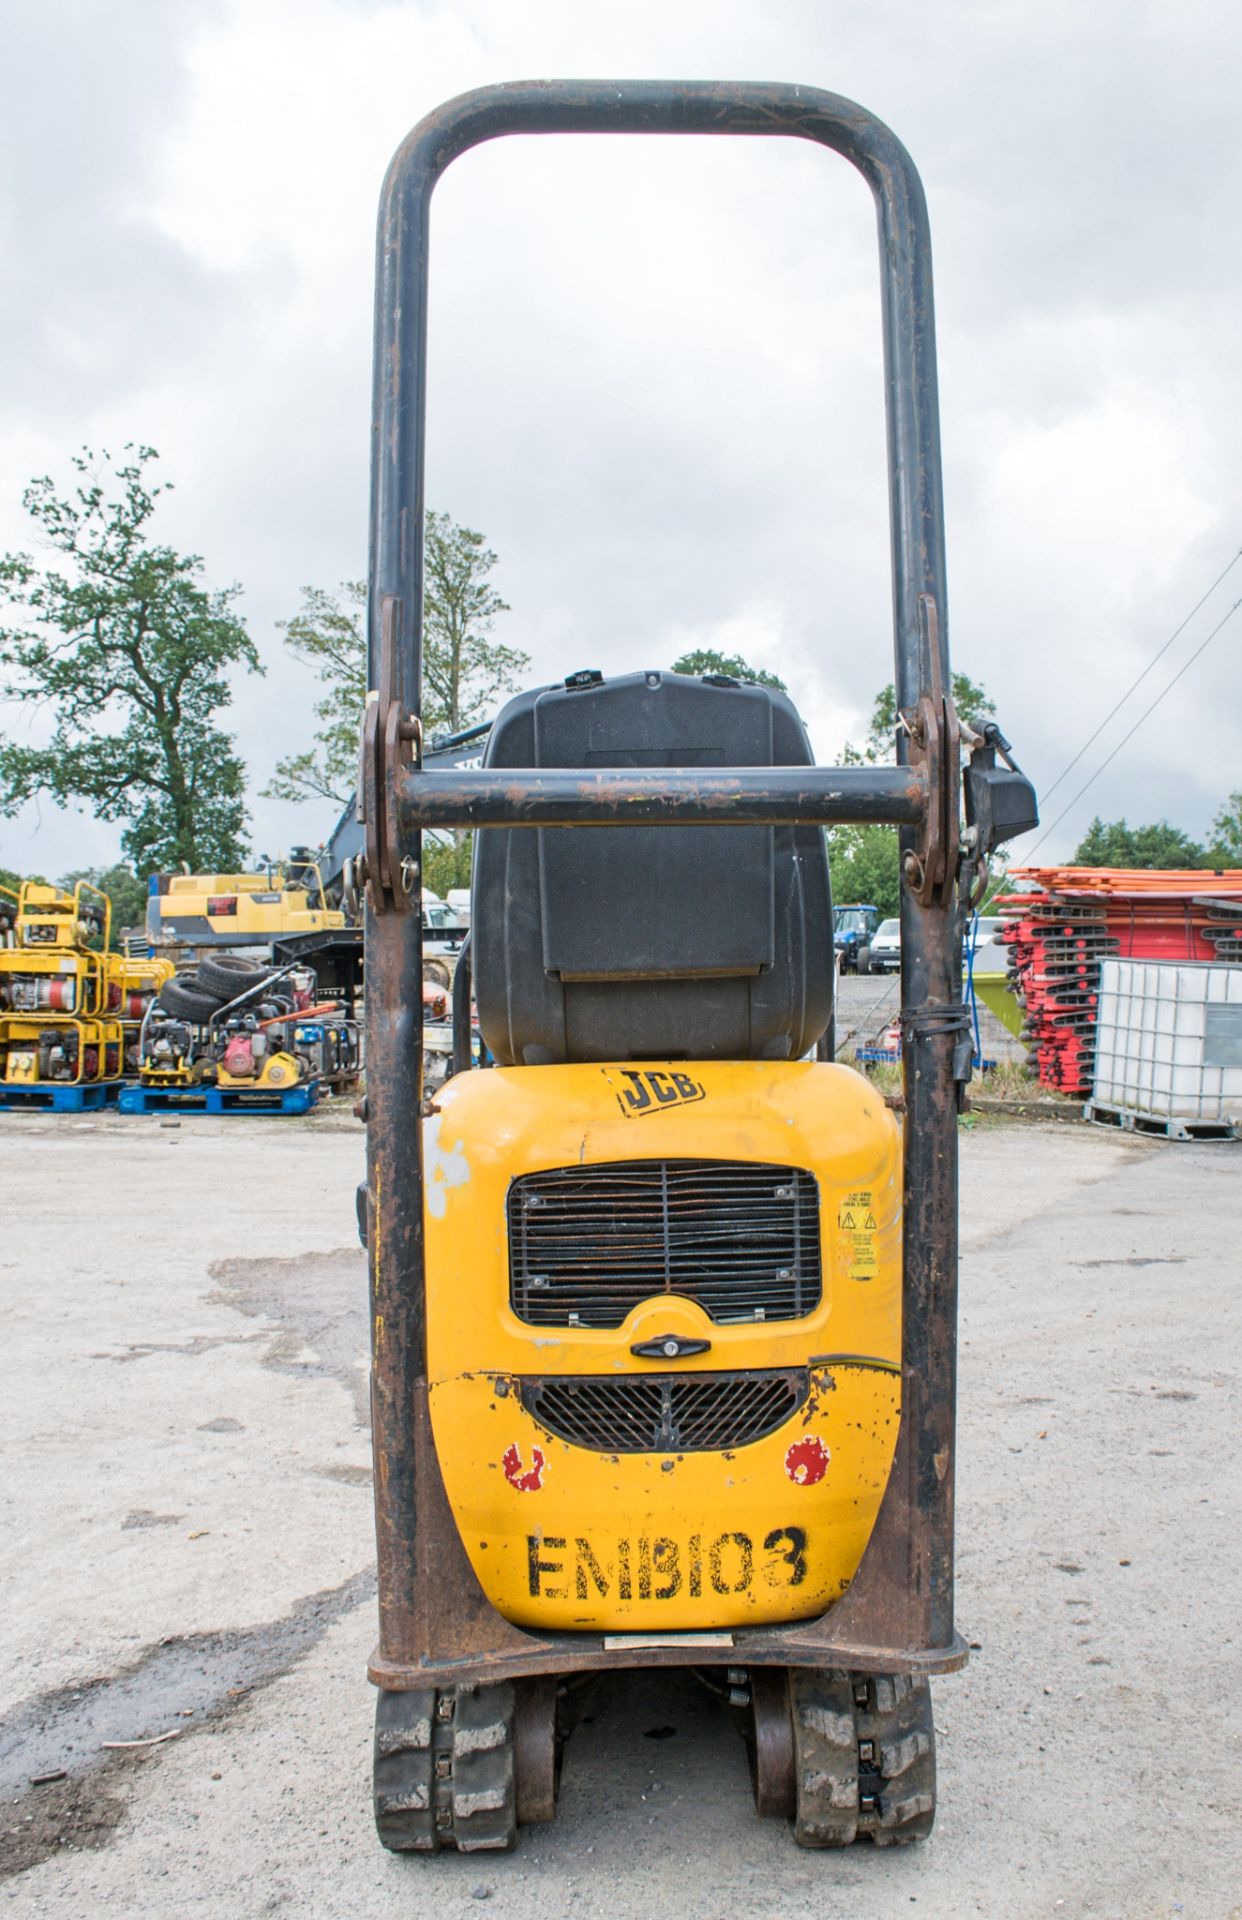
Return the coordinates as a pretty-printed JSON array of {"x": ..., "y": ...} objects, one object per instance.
[
  {"x": 1134, "y": 729},
  {"x": 1135, "y": 684}
]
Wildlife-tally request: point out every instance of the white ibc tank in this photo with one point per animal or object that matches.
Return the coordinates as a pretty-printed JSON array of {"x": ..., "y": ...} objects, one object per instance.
[{"x": 1169, "y": 1040}]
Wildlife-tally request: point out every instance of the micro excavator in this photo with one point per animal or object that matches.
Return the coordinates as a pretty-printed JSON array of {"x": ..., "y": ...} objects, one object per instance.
[{"x": 663, "y": 1299}]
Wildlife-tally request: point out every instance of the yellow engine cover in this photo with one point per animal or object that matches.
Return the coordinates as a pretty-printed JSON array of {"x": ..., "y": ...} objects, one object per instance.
[
  {"x": 568, "y": 1534},
  {"x": 279, "y": 1070}
]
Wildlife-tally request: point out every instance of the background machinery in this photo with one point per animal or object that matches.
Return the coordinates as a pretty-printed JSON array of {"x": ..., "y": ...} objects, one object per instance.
[
  {"x": 279, "y": 921},
  {"x": 302, "y": 910},
  {"x": 283, "y": 901},
  {"x": 852, "y": 928},
  {"x": 70, "y": 1008},
  {"x": 232, "y": 1036}
]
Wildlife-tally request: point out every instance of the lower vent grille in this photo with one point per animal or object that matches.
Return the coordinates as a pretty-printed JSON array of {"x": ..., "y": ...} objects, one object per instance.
[{"x": 665, "y": 1412}]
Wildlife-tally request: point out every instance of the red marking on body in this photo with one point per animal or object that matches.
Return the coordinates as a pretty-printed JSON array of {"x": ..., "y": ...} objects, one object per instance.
[
  {"x": 807, "y": 1461},
  {"x": 529, "y": 1481}
]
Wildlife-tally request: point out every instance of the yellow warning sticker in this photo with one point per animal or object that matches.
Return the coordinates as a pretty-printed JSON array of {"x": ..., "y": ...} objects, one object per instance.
[{"x": 856, "y": 1224}]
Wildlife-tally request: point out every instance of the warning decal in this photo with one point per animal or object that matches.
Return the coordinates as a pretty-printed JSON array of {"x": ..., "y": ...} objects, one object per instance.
[{"x": 856, "y": 1224}]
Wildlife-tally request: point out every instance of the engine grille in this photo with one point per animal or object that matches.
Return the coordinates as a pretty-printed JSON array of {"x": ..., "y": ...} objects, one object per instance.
[
  {"x": 587, "y": 1244},
  {"x": 665, "y": 1412}
]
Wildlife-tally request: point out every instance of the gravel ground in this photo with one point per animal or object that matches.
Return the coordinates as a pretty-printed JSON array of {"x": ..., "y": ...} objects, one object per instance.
[{"x": 187, "y": 1549}]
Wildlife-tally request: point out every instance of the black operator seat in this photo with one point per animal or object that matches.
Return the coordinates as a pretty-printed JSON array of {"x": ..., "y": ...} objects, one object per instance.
[{"x": 650, "y": 943}]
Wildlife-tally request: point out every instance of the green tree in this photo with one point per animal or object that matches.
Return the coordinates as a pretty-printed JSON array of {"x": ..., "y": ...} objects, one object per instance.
[
  {"x": 863, "y": 866},
  {"x": 707, "y": 660},
  {"x": 13, "y": 881},
  {"x": 1114, "y": 844},
  {"x": 329, "y": 633},
  {"x": 464, "y": 670},
  {"x": 131, "y": 652},
  {"x": 124, "y": 889},
  {"x": 447, "y": 863},
  {"x": 863, "y": 861},
  {"x": 1226, "y": 848}
]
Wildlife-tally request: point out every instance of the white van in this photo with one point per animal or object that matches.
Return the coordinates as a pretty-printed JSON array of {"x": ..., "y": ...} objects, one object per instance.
[{"x": 886, "y": 948}]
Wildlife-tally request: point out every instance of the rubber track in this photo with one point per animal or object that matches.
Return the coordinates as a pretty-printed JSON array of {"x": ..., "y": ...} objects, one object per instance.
[
  {"x": 825, "y": 1757},
  {"x": 443, "y": 1770},
  {"x": 894, "y": 1714},
  {"x": 864, "y": 1758}
]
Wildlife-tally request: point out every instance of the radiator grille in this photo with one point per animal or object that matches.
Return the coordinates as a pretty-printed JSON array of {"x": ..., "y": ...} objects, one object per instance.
[
  {"x": 665, "y": 1412},
  {"x": 587, "y": 1244}
]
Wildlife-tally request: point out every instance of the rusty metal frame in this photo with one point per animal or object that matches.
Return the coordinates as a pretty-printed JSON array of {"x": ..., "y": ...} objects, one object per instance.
[{"x": 436, "y": 1625}]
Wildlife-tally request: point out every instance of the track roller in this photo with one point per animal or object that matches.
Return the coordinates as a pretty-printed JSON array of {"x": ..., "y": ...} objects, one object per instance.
[
  {"x": 769, "y": 1743},
  {"x": 537, "y": 1749}
]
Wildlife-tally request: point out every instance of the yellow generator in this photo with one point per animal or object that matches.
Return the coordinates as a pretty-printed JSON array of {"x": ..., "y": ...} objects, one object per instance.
[
  {"x": 61, "y": 1038},
  {"x": 133, "y": 982},
  {"x": 65, "y": 1052},
  {"x": 58, "y": 961},
  {"x": 663, "y": 1301}
]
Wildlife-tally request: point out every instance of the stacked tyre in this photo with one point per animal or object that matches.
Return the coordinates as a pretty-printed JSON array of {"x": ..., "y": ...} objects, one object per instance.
[{"x": 199, "y": 994}]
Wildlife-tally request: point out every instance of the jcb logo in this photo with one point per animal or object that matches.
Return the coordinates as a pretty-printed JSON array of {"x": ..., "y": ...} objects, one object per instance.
[{"x": 649, "y": 1088}]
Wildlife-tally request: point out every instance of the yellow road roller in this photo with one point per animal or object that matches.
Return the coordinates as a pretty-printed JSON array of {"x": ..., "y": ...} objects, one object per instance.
[{"x": 663, "y": 1300}]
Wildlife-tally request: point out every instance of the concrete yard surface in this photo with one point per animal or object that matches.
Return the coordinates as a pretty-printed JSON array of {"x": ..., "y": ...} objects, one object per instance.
[{"x": 187, "y": 1552}]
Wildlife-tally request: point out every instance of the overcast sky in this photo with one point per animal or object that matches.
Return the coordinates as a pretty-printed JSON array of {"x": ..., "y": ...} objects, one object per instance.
[{"x": 655, "y": 365}]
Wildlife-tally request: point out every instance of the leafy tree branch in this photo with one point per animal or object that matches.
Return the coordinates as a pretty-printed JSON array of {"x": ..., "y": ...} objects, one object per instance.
[{"x": 119, "y": 636}]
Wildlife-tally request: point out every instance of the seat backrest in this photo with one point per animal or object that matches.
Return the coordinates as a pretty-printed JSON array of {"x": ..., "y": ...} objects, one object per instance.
[{"x": 644, "y": 943}]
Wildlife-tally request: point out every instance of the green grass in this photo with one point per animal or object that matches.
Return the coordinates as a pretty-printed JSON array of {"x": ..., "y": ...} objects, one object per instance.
[{"x": 1008, "y": 1080}]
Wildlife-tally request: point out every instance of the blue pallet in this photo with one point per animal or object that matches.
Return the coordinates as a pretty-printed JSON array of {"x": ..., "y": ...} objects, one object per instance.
[
  {"x": 217, "y": 1100},
  {"x": 47, "y": 1096}
]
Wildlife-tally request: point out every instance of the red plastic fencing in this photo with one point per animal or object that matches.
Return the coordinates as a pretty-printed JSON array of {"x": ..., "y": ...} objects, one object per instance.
[{"x": 1068, "y": 919}]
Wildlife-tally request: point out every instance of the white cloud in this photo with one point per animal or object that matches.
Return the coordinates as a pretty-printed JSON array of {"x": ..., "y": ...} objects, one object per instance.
[{"x": 655, "y": 365}]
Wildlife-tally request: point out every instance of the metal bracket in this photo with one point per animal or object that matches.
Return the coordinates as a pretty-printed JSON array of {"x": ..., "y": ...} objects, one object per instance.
[
  {"x": 930, "y": 869},
  {"x": 1000, "y": 805},
  {"x": 390, "y": 740}
]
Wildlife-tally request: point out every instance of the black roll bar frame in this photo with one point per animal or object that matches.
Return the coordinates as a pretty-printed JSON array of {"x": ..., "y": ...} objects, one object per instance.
[{"x": 898, "y": 1613}]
